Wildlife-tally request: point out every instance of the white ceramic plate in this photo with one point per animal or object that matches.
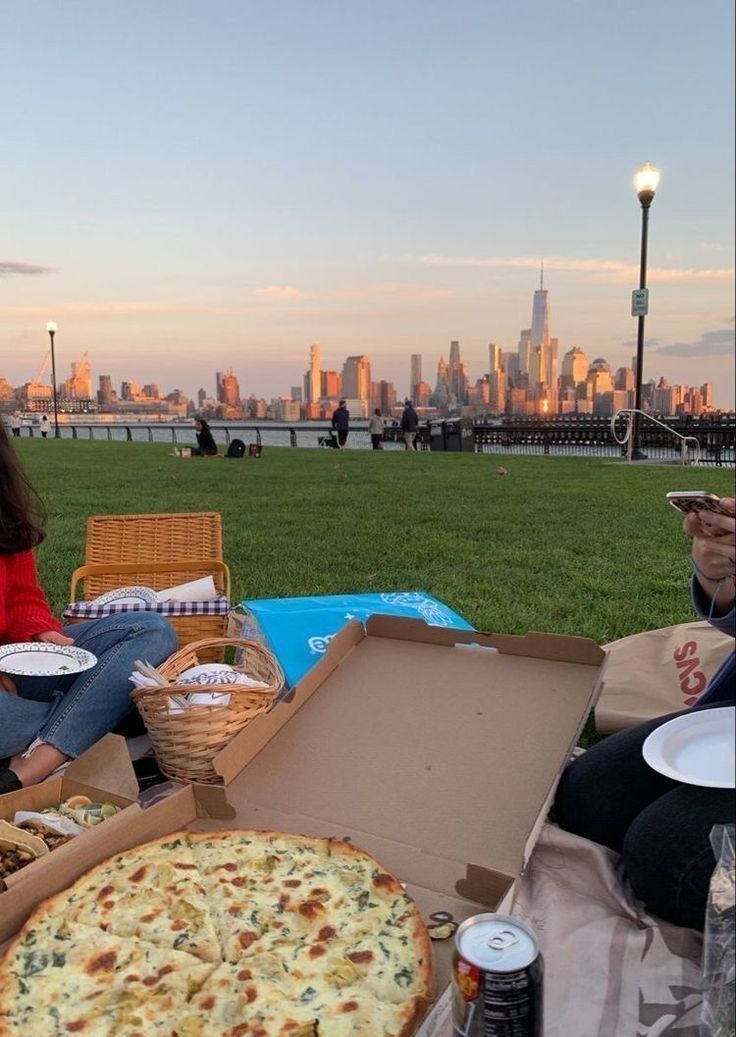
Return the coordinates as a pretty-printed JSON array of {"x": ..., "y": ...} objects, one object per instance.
[
  {"x": 128, "y": 596},
  {"x": 697, "y": 748},
  {"x": 40, "y": 659}
]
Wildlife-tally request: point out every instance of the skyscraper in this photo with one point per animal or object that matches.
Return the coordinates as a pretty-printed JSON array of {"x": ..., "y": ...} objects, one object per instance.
[
  {"x": 313, "y": 382},
  {"x": 356, "y": 379},
  {"x": 574, "y": 367},
  {"x": 415, "y": 374},
  {"x": 525, "y": 350},
  {"x": 457, "y": 375},
  {"x": 495, "y": 360}
]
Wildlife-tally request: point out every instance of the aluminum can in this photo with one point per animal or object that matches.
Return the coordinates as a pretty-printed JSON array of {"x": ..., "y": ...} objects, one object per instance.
[{"x": 497, "y": 979}]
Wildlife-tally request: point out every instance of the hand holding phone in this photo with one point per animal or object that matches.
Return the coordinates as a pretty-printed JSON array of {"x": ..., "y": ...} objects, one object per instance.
[{"x": 688, "y": 501}]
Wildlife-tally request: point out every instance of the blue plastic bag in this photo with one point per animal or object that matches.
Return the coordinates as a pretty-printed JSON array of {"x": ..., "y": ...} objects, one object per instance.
[{"x": 298, "y": 630}]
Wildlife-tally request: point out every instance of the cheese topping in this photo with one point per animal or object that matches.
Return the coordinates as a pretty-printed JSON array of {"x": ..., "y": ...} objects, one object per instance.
[{"x": 223, "y": 935}]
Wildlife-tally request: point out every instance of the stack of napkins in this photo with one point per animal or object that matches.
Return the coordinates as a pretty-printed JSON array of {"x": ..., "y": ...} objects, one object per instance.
[{"x": 204, "y": 675}]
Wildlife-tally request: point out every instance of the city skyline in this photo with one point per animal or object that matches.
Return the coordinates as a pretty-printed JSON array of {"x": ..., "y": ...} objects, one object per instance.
[{"x": 244, "y": 182}]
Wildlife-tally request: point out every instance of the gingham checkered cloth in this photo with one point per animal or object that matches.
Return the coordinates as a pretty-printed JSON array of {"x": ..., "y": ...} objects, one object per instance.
[{"x": 91, "y": 610}]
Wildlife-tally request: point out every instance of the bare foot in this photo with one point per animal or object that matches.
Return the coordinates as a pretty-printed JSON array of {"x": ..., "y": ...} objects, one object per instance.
[{"x": 35, "y": 768}]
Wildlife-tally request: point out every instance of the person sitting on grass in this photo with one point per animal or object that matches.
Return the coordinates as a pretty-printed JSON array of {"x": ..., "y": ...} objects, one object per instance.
[
  {"x": 45, "y": 721},
  {"x": 610, "y": 794},
  {"x": 206, "y": 446}
]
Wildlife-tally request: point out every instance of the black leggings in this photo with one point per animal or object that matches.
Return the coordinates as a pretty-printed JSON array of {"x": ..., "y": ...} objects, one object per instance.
[{"x": 661, "y": 827}]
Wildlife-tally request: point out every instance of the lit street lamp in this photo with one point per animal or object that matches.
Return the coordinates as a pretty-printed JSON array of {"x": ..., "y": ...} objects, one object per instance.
[
  {"x": 646, "y": 181},
  {"x": 51, "y": 328}
]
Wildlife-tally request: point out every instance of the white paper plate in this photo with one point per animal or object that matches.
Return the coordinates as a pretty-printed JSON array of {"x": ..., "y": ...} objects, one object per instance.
[
  {"x": 697, "y": 748},
  {"x": 40, "y": 659},
  {"x": 129, "y": 596}
]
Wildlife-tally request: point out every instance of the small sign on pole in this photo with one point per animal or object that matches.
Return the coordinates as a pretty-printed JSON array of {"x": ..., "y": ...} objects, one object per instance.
[{"x": 640, "y": 302}]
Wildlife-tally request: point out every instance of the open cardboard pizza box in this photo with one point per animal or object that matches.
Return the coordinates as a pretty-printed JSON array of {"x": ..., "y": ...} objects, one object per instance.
[{"x": 437, "y": 751}]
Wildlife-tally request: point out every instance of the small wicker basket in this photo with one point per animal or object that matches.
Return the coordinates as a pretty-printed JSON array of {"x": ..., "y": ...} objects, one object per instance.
[{"x": 186, "y": 743}]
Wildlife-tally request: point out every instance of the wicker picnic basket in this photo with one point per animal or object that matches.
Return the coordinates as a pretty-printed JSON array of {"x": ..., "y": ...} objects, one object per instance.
[
  {"x": 187, "y": 742},
  {"x": 157, "y": 551}
]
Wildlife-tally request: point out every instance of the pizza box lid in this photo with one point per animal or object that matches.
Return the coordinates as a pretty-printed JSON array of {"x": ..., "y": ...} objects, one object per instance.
[{"x": 436, "y": 750}]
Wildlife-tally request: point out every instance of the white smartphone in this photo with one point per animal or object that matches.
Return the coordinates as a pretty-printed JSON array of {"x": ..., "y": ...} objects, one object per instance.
[{"x": 695, "y": 500}]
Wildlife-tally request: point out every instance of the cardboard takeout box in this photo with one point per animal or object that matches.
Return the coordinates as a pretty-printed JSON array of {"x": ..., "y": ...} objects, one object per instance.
[
  {"x": 105, "y": 774},
  {"x": 435, "y": 750}
]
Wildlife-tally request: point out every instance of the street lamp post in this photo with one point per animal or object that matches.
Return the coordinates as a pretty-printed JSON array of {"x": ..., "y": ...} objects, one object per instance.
[
  {"x": 51, "y": 328},
  {"x": 646, "y": 181}
]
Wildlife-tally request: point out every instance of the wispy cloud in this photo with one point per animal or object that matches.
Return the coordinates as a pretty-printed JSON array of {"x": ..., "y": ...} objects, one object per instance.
[
  {"x": 12, "y": 268},
  {"x": 268, "y": 299},
  {"x": 281, "y": 293},
  {"x": 711, "y": 343},
  {"x": 400, "y": 290},
  {"x": 611, "y": 271}
]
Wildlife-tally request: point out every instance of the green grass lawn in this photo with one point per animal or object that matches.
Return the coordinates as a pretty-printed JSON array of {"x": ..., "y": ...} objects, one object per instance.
[{"x": 570, "y": 545}]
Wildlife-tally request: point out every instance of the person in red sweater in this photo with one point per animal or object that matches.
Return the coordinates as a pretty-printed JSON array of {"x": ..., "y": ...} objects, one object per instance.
[{"x": 45, "y": 721}]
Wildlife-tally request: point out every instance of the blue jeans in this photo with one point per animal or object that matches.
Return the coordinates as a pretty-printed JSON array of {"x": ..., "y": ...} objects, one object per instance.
[{"x": 72, "y": 713}]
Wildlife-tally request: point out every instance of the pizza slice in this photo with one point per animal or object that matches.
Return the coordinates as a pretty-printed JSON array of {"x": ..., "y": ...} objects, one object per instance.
[
  {"x": 251, "y": 879},
  {"x": 153, "y": 893},
  {"x": 62, "y": 979}
]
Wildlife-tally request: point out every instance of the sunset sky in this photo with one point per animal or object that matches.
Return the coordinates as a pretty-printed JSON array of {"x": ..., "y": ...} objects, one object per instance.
[{"x": 190, "y": 186}]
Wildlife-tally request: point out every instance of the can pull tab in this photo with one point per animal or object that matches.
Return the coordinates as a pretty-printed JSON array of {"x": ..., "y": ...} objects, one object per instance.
[{"x": 506, "y": 938}]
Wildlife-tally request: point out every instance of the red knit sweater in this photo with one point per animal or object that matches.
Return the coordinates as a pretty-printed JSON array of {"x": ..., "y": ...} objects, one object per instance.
[{"x": 24, "y": 611}]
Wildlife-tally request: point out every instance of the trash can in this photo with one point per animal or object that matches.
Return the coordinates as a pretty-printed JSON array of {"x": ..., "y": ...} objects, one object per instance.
[
  {"x": 458, "y": 434},
  {"x": 436, "y": 435}
]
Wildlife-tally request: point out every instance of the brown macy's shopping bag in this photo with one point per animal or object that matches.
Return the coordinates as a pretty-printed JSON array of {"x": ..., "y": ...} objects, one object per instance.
[{"x": 660, "y": 671}]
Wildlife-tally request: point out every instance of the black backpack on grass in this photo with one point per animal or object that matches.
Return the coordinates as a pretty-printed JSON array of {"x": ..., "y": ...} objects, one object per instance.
[{"x": 236, "y": 448}]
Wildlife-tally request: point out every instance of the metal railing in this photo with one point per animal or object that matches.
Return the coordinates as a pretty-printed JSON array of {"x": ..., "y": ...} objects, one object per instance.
[
  {"x": 582, "y": 436},
  {"x": 627, "y": 440}
]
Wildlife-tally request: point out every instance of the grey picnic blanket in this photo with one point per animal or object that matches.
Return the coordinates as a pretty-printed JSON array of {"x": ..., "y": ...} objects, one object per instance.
[{"x": 611, "y": 970}]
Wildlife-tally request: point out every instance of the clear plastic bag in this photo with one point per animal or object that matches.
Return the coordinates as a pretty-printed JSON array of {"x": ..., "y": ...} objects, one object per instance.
[{"x": 719, "y": 950}]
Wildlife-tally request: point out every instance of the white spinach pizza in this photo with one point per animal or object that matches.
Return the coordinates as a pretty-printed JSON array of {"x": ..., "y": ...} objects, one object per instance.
[{"x": 222, "y": 934}]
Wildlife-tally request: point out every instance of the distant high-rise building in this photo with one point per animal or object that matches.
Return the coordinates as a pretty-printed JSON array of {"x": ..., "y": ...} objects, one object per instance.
[
  {"x": 457, "y": 378},
  {"x": 105, "y": 393},
  {"x": 218, "y": 387},
  {"x": 151, "y": 390},
  {"x": 422, "y": 394},
  {"x": 574, "y": 367},
  {"x": 540, "y": 314},
  {"x": 313, "y": 380},
  {"x": 706, "y": 393},
  {"x": 330, "y": 384},
  {"x": 230, "y": 390},
  {"x": 600, "y": 382},
  {"x": 495, "y": 357},
  {"x": 624, "y": 379},
  {"x": 441, "y": 394},
  {"x": 296, "y": 393},
  {"x": 201, "y": 397},
  {"x": 386, "y": 397},
  {"x": 525, "y": 350},
  {"x": 415, "y": 374},
  {"x": 510, "y": 365},
  {"x": 497, "y": 384},
  {"x": 356, "y": 378},
  {"x": 82, "y": 378}
]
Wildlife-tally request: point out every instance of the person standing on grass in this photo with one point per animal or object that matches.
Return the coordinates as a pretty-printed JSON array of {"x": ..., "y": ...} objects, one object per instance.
[
  {"x": 610, "y": 795},
  {"x": 15, "y": 424},
  {"x": 376, "y": 425},
  {"x": 409, "y": 425},
  {"x": 341, "y": 423},
  {"x": 45, "y": 721},
  {"x": 44, "y": 425}
]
